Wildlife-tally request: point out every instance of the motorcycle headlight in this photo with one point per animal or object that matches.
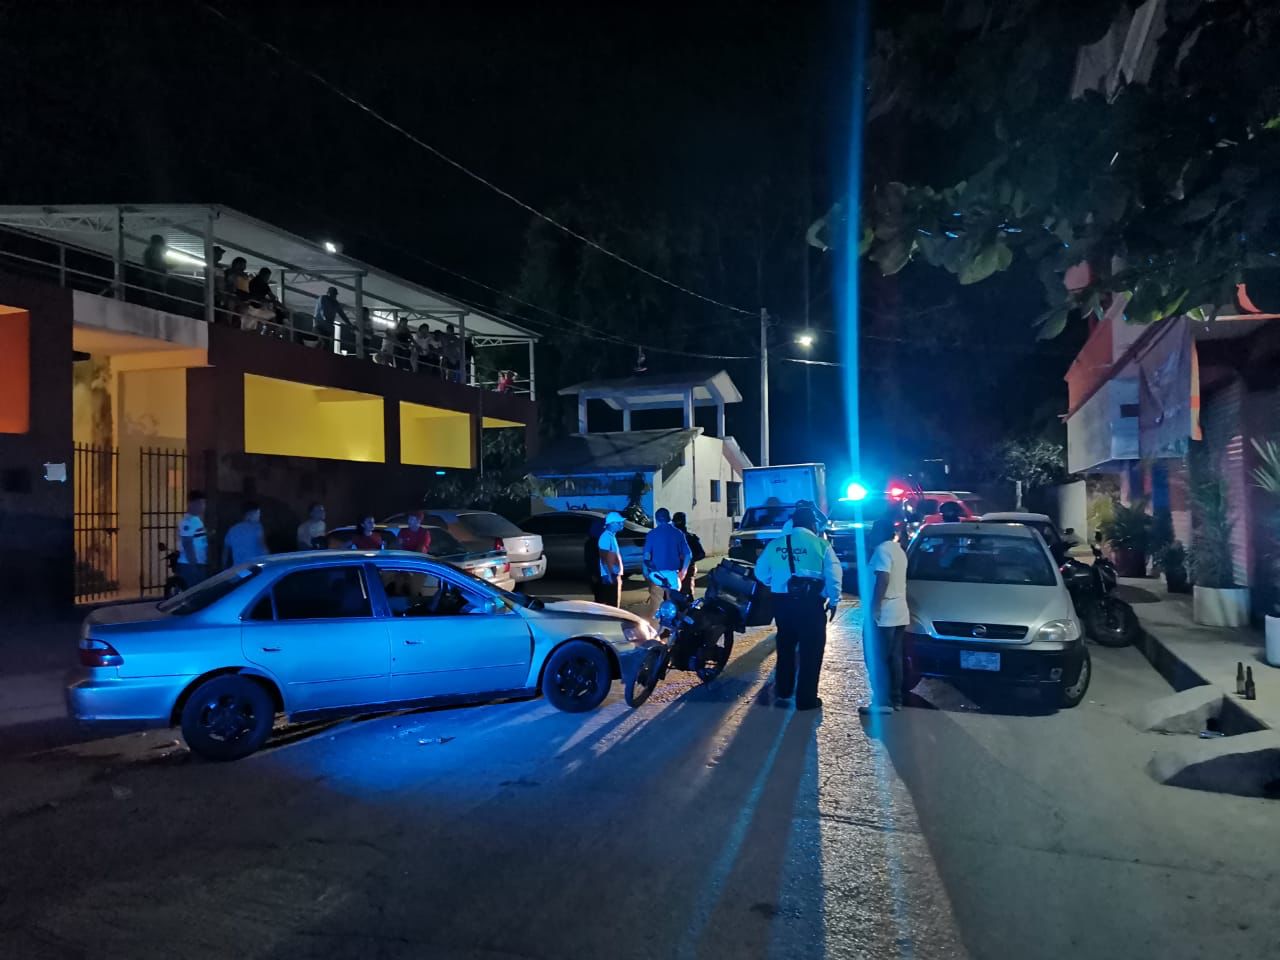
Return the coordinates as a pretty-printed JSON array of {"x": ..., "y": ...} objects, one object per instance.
[
  {"x": 638, "y": 632},
  {"x": 668, "y": 612},
  {"x": 1058, "y": 631}
]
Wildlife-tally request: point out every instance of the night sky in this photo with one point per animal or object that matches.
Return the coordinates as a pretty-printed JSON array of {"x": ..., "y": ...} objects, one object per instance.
[{"x": 642, "y": 109}]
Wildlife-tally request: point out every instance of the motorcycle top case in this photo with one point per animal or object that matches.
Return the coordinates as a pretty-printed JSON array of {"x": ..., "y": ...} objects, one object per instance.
[{"x": 732, "y": 585}]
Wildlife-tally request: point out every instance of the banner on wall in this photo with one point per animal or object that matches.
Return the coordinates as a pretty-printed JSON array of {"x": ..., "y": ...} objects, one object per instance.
[{"x": 1169, "y": 393}]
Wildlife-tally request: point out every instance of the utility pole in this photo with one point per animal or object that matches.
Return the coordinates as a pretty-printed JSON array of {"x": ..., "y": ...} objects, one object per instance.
[{"x": 764, "y": 387}]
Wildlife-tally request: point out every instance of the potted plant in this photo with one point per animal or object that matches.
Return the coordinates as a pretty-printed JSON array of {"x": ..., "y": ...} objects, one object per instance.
[
  {"x": 1217, "y": 601},
  {"x": 1128, "y": 532},
  {"x": 1172, "y": 562},
  {"x": 1267, "y": 476}
]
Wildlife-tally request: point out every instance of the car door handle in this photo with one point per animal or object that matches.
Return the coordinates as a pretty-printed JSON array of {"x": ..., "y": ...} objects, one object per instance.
[
  {"x": 270, "y": 649},
  {"x": 413, "y": 643}
]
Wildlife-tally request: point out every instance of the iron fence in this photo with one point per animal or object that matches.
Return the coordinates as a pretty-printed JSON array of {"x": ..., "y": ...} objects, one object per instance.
[
  {"x": 162, "y": 476},
  {"x": 95, "y": 522}
]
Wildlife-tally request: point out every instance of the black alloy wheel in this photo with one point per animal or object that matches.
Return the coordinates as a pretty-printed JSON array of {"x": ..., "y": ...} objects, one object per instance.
[
  {"x": 577, "y": 677},
  {"x": 713, "y": 655},
  {"x": 227, "y": 717}
]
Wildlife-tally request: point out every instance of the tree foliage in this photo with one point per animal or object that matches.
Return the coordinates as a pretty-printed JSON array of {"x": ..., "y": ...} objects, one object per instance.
[{"x": 1167, "y": 189}]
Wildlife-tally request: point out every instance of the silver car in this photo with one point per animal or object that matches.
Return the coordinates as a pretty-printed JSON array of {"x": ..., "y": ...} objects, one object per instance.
[
  {"x": 484, "y": 529},
  {"x": 328, "y": 632},
  {"x": 987, "y": 601}
]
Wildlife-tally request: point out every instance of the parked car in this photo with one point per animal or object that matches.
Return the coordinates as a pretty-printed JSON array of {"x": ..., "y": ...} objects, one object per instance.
[
  {"x": 927, "y": 508},
  {"x": 523, "y": 548},
  {"x": 325, "y": 632},
  {"x": 487, "y": 564},
  {"x": 987, "y": 601},
  {"x": 1057, "y": 542},
  {"x": 564, "y": 532}
]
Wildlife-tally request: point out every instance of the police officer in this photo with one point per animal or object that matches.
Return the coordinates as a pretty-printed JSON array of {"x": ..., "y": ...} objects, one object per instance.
[{"x": 801, "y": 571}]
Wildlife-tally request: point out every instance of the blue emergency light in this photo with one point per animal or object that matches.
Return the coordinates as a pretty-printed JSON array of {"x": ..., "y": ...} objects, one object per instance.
[{"x": 855, "y": 491}]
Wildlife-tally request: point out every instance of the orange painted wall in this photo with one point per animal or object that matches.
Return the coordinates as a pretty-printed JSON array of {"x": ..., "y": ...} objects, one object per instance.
[{"x": 15, "y": 370}]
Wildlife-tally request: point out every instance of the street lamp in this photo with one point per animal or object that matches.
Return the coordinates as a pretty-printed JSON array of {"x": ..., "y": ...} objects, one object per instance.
[
  {"x": 331, "y": 247},
  {"x": 805, "y": 339}
]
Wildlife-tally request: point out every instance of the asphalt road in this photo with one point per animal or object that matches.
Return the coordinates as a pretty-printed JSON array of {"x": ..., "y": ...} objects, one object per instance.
[{"x": 705, "y": 824}]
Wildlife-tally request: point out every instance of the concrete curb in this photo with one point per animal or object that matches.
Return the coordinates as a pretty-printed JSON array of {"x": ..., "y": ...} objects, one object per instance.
[{"x": 1235, "y": 717}]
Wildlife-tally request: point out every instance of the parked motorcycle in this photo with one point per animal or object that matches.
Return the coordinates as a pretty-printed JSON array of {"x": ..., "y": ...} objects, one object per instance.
[
  {"x": 698, "y": 634},
  {"x": 1108, "y": 620},
  {"x": 173, "y": 584}
]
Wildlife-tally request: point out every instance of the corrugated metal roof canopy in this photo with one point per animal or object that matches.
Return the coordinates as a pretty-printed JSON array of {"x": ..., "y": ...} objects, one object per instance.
[
  {"x": 310, "y": 267},
  {"x": 616, "y": 452},
  {"x": 660, "y": 390}
]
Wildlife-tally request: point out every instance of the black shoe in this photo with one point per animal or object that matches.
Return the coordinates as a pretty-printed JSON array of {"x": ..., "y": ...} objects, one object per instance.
[{"x": 816, "y": 705}]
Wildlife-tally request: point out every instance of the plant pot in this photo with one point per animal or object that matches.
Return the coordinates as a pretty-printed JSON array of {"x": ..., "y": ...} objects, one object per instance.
[
  {"x": 1220, "y": 606},
  {"x": 1273, "y": 641},
  {"x": 1129, "y": 562},
  {"x": 1176, "y": 580}
]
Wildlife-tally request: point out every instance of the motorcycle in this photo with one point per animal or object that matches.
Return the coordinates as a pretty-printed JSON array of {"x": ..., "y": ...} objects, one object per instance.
[
  {"x": 173, "y": 584},
  {"x": 1108, "y": 620},
  {"x": 697, "y": 635}
]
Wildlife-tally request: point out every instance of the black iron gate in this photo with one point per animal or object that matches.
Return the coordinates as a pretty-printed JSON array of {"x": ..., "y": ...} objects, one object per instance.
[
  {"x": 163, "y": 479},
  {"x": 96, "y": 523}
]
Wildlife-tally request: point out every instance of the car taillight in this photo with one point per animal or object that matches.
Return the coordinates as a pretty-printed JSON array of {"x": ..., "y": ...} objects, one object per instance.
[
  {"x": 498, "y": 544},
  {"x": 505, "y": 568},
  {"x": 98, "y": 653}
]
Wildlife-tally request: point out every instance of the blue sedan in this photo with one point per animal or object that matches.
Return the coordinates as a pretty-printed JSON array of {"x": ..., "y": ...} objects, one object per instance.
[{"x": 321, "y": 633}]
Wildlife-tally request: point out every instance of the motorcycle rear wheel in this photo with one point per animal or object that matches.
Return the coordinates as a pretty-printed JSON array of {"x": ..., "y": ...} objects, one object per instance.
[
  {"x": 714, "y": 654},
  {"x": 1111, "y": 623}
]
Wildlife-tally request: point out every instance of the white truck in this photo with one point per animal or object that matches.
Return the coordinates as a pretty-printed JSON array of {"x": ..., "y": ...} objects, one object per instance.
[{"x": 770, "y": 495}]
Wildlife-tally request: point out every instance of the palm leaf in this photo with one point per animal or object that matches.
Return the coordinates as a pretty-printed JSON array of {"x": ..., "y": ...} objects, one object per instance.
[{"x": 1267, "y": 474}]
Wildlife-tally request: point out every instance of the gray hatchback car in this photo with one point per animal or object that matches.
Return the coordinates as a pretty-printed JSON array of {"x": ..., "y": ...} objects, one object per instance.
[{"x": 329, "y": 632}]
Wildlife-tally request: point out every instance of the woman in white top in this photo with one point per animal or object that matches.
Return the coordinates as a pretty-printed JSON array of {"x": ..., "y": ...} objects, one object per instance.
[{"x": 882, "y": 643}]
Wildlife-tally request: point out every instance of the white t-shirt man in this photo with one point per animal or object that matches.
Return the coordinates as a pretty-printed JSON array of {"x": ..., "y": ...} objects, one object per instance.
[
  {"x": 889, "y": 558},
  {"x": 608, "y": 542},
  {"x": 193, "y": 527}
]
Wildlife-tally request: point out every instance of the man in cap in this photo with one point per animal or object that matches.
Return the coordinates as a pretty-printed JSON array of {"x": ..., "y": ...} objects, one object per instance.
[
  {"x": 609, "y": 587},
  {"x": 802, "y": 572}
]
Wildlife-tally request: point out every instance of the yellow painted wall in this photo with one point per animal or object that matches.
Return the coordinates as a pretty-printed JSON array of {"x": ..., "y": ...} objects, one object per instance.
[
  {"x": 300, "y": 420},
  {"x": 431, "y": 437}
]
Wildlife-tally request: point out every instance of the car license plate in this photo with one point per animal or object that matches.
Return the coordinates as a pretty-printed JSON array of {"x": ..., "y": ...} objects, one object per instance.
[
  {"x": 530, "y": 571},
  {"x": 974, "y": 660}
]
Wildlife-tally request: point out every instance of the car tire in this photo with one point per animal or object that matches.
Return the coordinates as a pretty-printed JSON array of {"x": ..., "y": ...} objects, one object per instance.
[
  {"x": 577, "y": 677},
  {"x": 1072, "y": 695},
  {"x": 227, "y": 717}
]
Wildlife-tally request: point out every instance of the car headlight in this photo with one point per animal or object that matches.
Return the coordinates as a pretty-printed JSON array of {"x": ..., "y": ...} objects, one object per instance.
[
  {"x": 638, "y": 632},
  {"x": 668, "y": 612},
  {"x": 1058, "y": 631}
]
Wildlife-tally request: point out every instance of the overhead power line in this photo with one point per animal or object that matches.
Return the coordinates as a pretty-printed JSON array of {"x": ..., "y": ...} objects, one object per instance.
[{"x": 461, "y": 167}]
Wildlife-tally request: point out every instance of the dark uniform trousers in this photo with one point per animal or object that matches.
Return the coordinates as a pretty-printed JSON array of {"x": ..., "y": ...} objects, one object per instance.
[{"x": 802, "y": 636}]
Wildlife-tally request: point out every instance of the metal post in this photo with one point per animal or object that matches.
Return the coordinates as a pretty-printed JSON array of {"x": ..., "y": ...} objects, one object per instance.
[
  {"x": 764, "y": 387},
  {"x": 62, "y": 265},
  {"x": 720, "y": 419},
  {"x": 688, "y": 409},
  {"x": 582, "y": 413},
  {"x": 626, "y": 417},
  {"x": 118, "y": 263},
  {"x": 288, "y": 314},
  {"x": 533, "y": 393},
  {"x": 208, "y": 268},
  {"x": 462, "y": 343},
  {"x": 359, "y": 318}
]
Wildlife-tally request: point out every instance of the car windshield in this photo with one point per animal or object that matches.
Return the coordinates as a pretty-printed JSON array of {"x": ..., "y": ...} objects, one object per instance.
[
  {"x": 210, "y": 591},
  {"x": 979, "y": 558},
  {"x": 771, "y": 516},
  {"x": 489, "y": 525}
]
